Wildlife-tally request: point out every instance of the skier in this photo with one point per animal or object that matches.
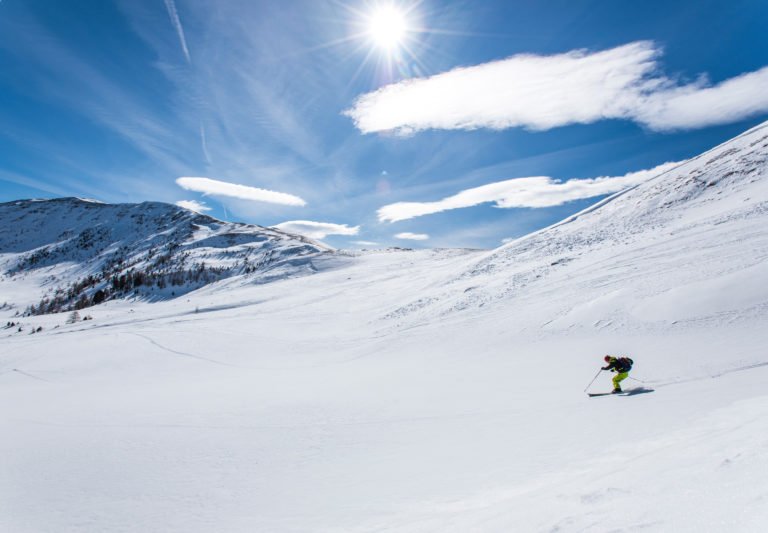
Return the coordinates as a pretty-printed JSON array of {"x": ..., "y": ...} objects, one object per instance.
[{"x": 620, "y": 365}]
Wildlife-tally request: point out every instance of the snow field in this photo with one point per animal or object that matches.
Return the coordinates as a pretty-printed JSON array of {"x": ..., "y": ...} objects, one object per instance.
[{"x": 307, "y": 411}]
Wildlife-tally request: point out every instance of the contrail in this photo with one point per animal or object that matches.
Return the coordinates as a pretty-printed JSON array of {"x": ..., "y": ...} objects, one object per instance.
[
  {"x": 202, "y": 140},
  {"x": 171, "y": 6}
]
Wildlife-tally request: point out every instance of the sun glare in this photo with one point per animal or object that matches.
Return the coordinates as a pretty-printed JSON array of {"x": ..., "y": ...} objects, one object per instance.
[
  {"x": 387, "y": 33},
  {"x": 387, "y": 27}
]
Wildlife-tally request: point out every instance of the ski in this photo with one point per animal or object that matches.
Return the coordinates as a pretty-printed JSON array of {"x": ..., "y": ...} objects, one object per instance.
[{"x": 630, "y": 392}]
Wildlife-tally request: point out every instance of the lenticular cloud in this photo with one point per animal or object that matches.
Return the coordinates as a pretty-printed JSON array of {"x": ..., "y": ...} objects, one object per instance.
[
  {"x": 408, "y": 236},
  {"x": 242, "y": 192},
  {"x": 537, "y": 191},
  {"x": 544, "y": 92},
  {"x": 192, "y": 205},
  {"x": 317, "y": 230}
]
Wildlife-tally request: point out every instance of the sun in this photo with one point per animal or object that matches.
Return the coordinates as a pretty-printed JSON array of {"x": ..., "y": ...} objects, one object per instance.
[
  {"x": 388, "y": 35},
  {"x": 387, "y": 27}
]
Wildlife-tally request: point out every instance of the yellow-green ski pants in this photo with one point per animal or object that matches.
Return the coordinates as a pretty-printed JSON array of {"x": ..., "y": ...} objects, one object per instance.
[{"x": 618, "y": 378}]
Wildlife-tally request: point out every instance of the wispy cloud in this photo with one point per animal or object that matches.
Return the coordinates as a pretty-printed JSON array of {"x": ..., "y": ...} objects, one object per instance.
[
  {"x": 258, "y": 113},
  {"x": 192, "y": 205},
  {"x": 539, "y": 191},
  {"x": 204, "y": 145},
  {"x": 66, "y": 78},
  {"x": 170, "y": 5},
  {"x": 242, "y": 192},
  {"x": 33, "y": 183},
  {"x": 408, "y": 236},
  {"x": 543, "y": 92},
  {"x": 317, "y": 230}
]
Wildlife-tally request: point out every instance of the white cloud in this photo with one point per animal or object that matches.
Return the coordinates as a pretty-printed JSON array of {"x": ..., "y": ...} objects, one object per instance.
[
  {"x": 192, "y": 205},
  {"x": 543, "y": 92},
  {"x": 174, "y": 15},
  {"x": 365, "y": 243},
  {"x": 243, "y": 192},
  {"x": 317, "y": 230},
  {"x": 539, "y": 191},
  {"x": 412, "y": 236},
  {"x": 697, "y": 105}
]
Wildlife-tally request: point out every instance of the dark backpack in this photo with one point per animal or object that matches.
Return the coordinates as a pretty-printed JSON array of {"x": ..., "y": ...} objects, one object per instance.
[{"x": 625, "y": 364}]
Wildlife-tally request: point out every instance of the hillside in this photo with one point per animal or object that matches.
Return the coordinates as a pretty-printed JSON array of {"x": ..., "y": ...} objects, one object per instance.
[
  {"x": 428, "y": 391},
  {"x": 75, "y": 253},
  {"x": 687, "y": 245}
]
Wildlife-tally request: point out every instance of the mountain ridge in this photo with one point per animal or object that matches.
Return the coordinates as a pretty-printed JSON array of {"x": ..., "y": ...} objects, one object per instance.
[{"x": 90, "y": 252}]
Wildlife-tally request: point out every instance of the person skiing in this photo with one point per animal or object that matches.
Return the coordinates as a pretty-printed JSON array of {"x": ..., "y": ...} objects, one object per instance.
[{"x": 620, "y": 365}]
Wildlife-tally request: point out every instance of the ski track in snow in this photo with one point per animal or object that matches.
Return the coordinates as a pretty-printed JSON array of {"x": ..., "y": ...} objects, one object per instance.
[{"x": 176, "y": 352}]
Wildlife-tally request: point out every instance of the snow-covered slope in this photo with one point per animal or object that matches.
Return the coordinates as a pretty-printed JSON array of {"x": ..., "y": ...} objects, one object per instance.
[
  {"x": 430, "y": 391},
  {"x": 725, "y": 184},
  {"x": 689, "y": 244},
  {"x": 72, "y": 248}
]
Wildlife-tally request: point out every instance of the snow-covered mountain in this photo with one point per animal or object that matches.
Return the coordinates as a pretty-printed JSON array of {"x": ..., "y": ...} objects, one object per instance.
[
  {"x": 429, "y": 391},
  {"x": 687, "y": 244},
  {"x": 82, "y": 252}
]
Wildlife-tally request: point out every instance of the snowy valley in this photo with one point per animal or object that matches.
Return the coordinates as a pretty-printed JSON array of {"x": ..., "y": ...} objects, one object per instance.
[{"x": 290, "y": 387}]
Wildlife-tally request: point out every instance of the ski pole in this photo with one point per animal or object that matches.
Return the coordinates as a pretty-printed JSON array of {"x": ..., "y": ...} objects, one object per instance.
[
  {"x": 640, "y": 380},
  {"x": 593, "y": 379}
]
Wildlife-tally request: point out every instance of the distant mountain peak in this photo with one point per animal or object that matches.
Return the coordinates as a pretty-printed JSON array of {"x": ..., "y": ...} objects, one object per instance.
[{"x": 89, "y": 252}]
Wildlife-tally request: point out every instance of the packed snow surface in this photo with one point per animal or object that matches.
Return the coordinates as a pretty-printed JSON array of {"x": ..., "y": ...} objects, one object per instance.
[{"x": 422, "y": 391}]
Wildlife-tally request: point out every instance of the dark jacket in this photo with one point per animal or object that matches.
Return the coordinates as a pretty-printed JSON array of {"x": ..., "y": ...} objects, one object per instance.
[{"x": 619, "y": 364}]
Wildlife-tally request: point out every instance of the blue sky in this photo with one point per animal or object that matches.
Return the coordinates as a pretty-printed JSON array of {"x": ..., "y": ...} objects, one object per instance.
[{"x": 358, "y": 121}]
